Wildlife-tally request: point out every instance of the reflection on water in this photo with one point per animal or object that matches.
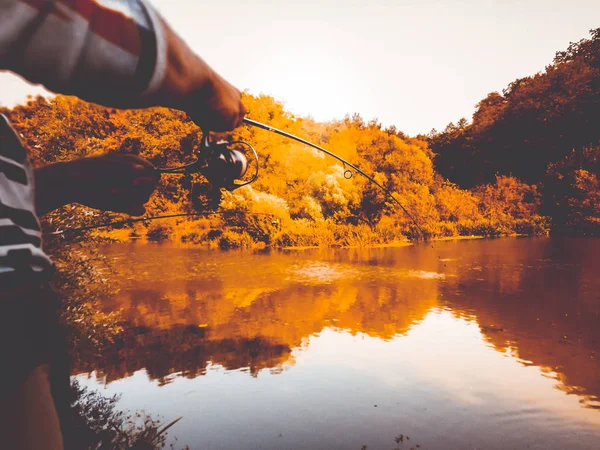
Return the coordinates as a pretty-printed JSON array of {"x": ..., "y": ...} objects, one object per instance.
[{"x": 487, "y": 344}]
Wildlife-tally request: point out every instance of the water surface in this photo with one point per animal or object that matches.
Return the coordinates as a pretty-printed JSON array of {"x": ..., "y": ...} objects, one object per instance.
[{"x": 487, "y": 344}]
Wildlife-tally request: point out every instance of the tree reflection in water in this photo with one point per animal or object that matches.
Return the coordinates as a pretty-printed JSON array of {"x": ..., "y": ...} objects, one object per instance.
[{"x": 191, "y": 309}]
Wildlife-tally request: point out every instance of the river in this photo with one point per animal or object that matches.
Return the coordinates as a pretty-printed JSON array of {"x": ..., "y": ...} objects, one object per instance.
[{"x": 475, "y": 344}]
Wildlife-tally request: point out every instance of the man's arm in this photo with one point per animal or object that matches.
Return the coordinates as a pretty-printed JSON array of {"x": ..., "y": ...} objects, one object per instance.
[
  {"x": 117, "y": 53},
  {"x": 111, "y": 182}
]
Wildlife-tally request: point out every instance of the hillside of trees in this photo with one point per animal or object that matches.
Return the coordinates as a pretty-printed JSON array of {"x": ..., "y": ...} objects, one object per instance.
[{"x": 544, "y": 130}]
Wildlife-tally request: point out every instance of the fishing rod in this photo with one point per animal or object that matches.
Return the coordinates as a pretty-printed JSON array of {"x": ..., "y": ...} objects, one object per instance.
[
  {"x": 226, "y": 165},
  {"x": 347, "y": 172}
]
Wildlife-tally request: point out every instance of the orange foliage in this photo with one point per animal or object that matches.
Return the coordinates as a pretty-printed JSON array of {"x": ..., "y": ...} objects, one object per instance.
[{"x": 296, "y": 182}]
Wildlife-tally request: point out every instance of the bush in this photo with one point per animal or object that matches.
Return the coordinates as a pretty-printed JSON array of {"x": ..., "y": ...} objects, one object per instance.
[
  {"x": 159, "y": 231},
  {"x": 230, "y": 240},
  {"x": 536, "y": 226}
]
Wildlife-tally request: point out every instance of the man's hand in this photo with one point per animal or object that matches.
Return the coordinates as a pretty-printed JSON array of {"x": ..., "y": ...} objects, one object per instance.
[
  {"x": 111, "y": 182},
  {"x": 191, "y": 85},
  {"x": 114, "y": 182},
  {"x": 218, "y": 108}
]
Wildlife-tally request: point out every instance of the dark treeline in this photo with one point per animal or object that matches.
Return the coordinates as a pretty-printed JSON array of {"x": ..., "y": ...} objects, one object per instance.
[{"x": 544, "y": 130}]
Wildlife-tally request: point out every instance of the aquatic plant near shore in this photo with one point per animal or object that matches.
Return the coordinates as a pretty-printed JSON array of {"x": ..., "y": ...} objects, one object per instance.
[{"x": 99, "y": 425}]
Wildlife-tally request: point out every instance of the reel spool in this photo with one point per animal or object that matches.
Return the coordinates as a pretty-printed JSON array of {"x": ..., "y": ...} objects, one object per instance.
[{"x": 224, "y": 164}]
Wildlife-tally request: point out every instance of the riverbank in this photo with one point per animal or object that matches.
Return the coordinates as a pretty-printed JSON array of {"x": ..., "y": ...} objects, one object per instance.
[
  {"x": 232, "y": 229},
  {"x": 219, "y": 240}
]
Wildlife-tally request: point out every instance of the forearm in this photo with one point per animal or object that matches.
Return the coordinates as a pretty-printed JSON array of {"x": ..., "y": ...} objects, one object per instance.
[
  {"x": 115, "y": 57},
  {"x": 109, "y": 182},
  {"x": 126, "y": 57},
  {"x": 185, "y": 74},
  {"x": 54, "y": 187}
]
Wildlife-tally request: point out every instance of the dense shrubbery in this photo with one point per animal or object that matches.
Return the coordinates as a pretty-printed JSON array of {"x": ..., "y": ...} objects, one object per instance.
[
  {"x": 301, "y": 198},
  {"x": 572, "y": 193}
]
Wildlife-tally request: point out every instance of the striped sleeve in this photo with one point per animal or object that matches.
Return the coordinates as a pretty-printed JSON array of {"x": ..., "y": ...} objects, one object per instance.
[
  {"x": 111, "y": 52},
  {"x": 20, "y": 234}
]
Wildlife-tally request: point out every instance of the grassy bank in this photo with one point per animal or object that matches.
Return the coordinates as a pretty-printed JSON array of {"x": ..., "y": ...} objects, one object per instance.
[{"x": 268, "y": 231}]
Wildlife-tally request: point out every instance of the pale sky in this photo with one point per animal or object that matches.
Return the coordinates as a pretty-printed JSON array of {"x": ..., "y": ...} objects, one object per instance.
[{"x": 413, "y": 64}]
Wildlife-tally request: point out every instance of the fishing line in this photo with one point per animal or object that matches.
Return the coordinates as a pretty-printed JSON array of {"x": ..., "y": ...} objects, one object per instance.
[
  {"x": 148, "y": 219},
  {"x": 347, "y": 172}
]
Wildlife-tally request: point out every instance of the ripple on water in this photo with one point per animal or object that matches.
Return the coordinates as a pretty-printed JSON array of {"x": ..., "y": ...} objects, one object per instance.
[
  {"x": 425, "y": 275},
  {"x": 321, "y": 272},
  {"x": 325, "y": 272}
]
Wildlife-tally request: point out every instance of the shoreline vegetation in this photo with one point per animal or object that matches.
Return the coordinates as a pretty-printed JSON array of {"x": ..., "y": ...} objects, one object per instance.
[
  {"x": 301, "y": 199},
  {"x": 216, "y": 236},
  {"x": 109, "y": 238}
]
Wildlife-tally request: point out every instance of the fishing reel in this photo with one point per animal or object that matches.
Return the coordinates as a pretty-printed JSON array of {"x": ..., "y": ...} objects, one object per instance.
[{"x": 224, "y": 164}]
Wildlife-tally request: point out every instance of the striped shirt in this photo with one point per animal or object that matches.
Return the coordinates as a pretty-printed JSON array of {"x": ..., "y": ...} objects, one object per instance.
[
  {"x": 107, "y": 51},
  {"x": 20, "y": 235}
]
